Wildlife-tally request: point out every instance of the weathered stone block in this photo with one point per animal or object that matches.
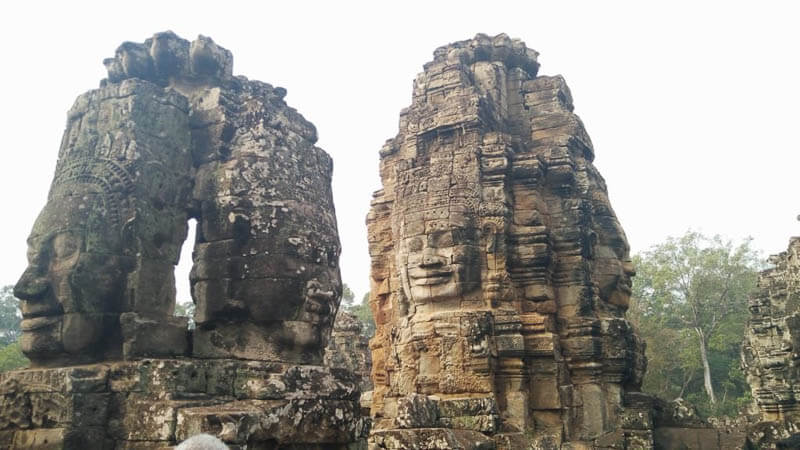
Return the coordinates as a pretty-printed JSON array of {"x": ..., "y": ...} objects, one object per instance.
[
  {"x": 71, "y": 410},
  {"x": 430, "y": 439},
  {"x": 61, "y": 438},
  {"x": 148, "y": 338},
  {"x": 688, "y": 438},
  {"x": 417, "y": 411}
]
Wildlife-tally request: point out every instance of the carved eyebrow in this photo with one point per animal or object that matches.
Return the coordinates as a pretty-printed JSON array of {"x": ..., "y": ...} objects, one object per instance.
[{"x": 49, "y": 235}]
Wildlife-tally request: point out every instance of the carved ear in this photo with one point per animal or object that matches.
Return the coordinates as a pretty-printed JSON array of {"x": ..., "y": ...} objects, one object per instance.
[
  {"x": 589, "y": 243},
  {"x": 489, "y": 236},
  {"x": 128, "y": 238}
]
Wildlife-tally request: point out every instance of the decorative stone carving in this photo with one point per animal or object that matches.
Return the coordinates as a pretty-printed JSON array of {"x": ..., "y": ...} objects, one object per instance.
[
  {"x": 348, "y": 348},
  {"x": 171, "y": 135},
  {"x": 771, "y": 347},
  {"x": 154, "y": 404},
  {"x": 500, "y": 274}
]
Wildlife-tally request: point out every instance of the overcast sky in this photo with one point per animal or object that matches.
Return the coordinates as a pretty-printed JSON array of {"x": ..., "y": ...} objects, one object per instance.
[{"x": 692, "y": 106}]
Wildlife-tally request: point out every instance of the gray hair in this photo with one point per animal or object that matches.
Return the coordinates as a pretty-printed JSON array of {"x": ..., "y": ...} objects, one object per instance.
[{"x": 202, "y": 442}]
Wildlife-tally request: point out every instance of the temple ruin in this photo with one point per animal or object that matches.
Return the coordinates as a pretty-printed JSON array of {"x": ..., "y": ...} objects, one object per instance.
[
  {"x": 500, "y": 274},
  {"x": 348, "y": 348},
  {"x": 771, "y": 346},
  {"x": 171, "y": 135}
]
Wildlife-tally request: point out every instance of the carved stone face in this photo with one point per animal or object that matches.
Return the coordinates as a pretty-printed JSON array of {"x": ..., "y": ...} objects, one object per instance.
[
  {"x": 289, "y": 291},
  {"x": 613, "y": 266},
  {"x": 71, "y": 291},
  {"x": 440, "y": 265},
  {"x": 309, "y": 306}
]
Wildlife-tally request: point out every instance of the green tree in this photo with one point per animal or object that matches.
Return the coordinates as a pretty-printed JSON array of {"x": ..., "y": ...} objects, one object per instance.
[
  {"x": 9, "y": 316},
  {"x": 186, "y": 309},
  {"x": 364, "y": 314},
  {"x": 11, "y": 357},
  {"x": 690, "y": 303},
  {"x": 347, "y": 295}
]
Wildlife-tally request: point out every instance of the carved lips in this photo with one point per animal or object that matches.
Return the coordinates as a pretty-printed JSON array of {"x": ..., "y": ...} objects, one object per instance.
[
  {"x": 427, "y": 277},
  {"x": 34, "y": 323}
]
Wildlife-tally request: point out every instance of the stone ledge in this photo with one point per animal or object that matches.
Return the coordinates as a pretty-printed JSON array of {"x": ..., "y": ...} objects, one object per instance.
[{"x": 159, "y": 402}]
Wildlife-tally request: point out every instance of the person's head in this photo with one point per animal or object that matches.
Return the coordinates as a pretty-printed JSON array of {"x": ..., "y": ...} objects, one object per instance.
[{"x": 202, "y": 442}]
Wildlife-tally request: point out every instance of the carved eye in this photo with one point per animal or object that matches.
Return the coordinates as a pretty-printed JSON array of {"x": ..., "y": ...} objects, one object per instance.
[
  {"x": 65, "y": 245},
  {"x": 462, "y": 254},
  {"x": 415, "y": 244},
  {"x": 442, "y": 239}
]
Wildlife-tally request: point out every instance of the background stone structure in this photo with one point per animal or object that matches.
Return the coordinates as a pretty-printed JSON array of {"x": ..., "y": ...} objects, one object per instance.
[
  {"x": 348, "y": 348},
  {"x": 771, "y": 347},
  {"x": 170, "y": 135},
  {"x": 500, "y": 274}
]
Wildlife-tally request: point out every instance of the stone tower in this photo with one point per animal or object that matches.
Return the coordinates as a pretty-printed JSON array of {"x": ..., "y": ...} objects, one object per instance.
[
  {"x": 771, "y": 347},
  {"x": 500, "y": 274},
  {"x": 170, "y": 135}
]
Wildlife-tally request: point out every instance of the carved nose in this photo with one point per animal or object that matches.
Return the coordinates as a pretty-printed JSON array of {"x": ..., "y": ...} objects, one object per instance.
[
  {"x": 430, "y": 259},
  {"x": 628, "y": 268},
  {"x": 31, "y": 285}
]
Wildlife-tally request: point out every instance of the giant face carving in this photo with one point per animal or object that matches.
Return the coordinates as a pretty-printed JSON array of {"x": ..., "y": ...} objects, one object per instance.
[
  {"x": 299, "y": 305},
  {"x": 71, "y": 292},
  {"x": 286, "y": 286},
  {"x": 613, "y": 266},
  {"x": 441, "y": 264}
]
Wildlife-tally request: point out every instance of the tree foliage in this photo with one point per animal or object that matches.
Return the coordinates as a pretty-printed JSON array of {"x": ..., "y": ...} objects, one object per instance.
[
  {"x": 690, "y": 306},
  {"x": 9, "y": 316},
  {"x": 11, "y": 356},
  {"x": 347, "y": 295},
  {"x": 364, "y": 314},
  {"x": 186, "y": 309}
]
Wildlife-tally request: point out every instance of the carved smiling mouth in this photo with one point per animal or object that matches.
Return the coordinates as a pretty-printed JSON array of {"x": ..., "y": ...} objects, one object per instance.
[
  {"x": 429, "y": 277},
  {"x": 37, "y": 322}
]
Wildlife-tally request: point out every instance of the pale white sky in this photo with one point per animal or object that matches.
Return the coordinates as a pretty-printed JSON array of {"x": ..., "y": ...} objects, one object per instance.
[{"x": 692, "y": 106}]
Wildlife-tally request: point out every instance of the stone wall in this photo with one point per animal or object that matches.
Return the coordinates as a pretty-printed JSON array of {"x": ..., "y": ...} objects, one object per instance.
[{"x": 154, "y": 404}]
